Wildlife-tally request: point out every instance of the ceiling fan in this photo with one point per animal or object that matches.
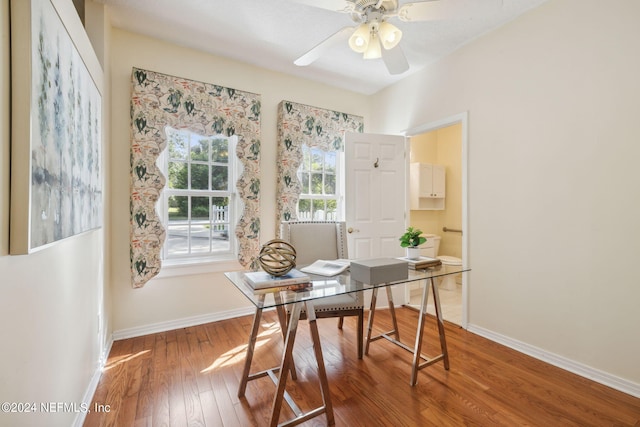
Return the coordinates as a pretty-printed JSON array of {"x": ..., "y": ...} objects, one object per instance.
[{"x": 374, "y": 36}]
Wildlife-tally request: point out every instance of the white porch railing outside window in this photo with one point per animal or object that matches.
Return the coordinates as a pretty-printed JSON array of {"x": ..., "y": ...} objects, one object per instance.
[{"x": 318, "y": 215}]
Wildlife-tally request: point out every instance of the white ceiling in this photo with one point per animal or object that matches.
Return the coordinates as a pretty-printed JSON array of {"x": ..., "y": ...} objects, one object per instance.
[{"x": 273, "y": 33}]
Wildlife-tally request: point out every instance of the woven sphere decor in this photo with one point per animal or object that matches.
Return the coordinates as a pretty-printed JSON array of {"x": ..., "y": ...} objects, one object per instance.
[{"x": 277, "y": 257}]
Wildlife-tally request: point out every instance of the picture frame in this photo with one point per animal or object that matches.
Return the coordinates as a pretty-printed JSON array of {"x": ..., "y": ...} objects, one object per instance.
[{"x": 56, "y": 126}]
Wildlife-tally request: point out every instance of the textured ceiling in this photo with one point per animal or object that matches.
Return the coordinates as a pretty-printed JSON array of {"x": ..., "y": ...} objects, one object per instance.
[{"x": 273, "y": 33}]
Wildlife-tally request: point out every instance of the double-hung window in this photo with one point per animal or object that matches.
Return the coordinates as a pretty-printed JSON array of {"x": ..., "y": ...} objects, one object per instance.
[
  {"x": 199, "y": 207},
  {"x": 320, "y": 175}
]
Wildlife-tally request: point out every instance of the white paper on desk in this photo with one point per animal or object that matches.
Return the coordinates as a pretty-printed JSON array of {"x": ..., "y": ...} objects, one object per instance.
[{"x": 327, "y": 268}]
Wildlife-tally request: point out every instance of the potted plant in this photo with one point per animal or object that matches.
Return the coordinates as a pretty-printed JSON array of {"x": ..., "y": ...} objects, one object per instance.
[{"x": 411, "y": 239}]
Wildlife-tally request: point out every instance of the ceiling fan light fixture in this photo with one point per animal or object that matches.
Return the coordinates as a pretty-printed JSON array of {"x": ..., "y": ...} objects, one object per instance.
[
  {"x": 359, "y": 40},
  {"x": 373, "y": 49},
  {"x": 390, "y": 35}
]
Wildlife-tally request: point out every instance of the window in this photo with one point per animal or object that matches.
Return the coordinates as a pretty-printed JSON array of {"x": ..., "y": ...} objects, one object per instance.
[
  {"x": 198, "y": 203},
  {"x": 319, "y": 173}
]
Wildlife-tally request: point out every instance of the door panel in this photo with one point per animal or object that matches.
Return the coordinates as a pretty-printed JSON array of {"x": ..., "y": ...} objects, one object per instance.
[
  {"x": 375, "y": 194},
  {"x": 361, "y": 246},
  {"x": 391, "y": 196},
  {"x": 360, "y": 205}
]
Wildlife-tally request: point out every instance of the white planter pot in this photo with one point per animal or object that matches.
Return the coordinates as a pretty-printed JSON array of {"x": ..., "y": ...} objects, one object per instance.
[{"x": 413, "y": 253}]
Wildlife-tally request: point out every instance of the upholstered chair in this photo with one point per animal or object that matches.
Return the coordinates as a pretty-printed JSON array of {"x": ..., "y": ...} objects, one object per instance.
[{"x": 325, "y": 240}]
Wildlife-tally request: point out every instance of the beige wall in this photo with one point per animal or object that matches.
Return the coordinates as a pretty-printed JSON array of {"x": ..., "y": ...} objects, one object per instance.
[
  {"x": 553, "y": 179},
  {"x": 167, "y": 299},
  {"x": 50, "y": 301},
  {"x": 442, "y": 146},
  {"x": 553, "y": 202}
]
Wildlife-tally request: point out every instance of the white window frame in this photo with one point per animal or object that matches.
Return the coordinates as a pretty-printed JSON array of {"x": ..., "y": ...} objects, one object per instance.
[
  {"x": 339, "y": 186},
  {"x": 209, "y": 262}
]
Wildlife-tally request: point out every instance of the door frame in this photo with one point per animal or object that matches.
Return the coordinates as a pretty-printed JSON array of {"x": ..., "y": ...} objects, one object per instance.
[{"x": 463, "y": 119}]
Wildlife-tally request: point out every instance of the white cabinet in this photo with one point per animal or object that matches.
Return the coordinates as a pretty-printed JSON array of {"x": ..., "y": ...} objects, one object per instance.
[{"x": 427, "y": 186}]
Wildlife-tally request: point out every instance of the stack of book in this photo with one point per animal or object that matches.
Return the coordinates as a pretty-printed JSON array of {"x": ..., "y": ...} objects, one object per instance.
[
  {"x": 422, "y": 262},
  {"x": 262, "y": 281}
]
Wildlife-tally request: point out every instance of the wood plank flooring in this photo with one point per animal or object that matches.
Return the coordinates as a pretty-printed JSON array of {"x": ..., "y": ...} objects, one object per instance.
[{"x": 190, "y": 377}]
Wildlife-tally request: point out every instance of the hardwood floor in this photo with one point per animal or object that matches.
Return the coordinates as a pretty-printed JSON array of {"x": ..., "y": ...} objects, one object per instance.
[{"x": 190, "y": 377}]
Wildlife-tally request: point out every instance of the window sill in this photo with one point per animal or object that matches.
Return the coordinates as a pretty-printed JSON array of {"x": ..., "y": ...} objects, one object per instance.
[{"x": 193, "y": 267}]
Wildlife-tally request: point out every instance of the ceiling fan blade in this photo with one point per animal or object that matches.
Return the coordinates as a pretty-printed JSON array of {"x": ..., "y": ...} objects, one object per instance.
[
  {"x": 434, "y": 10},
  {"x": 317, "y": 51},
  {"x": 344, "y": 6},
  {"x": 395, "y": 60}
]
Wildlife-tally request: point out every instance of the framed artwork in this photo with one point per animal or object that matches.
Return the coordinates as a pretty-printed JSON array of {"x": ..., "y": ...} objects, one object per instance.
[{"x": 56, "y": 126}]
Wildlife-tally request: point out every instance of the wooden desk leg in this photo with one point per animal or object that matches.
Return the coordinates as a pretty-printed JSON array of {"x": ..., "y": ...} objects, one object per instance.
[
  {"x": 250, "y": 348},
  {"x": 322, "y": 371},
  {"x": 372, "y": 312},
  {"x": 440, "y": 321},
  {"x": 360, "y": 334},
  {"x": 444, "y": 356},
  {"x": 419, "y": 333},
  {"x": 282, "y": 318},
  {"x": 285, "y": 365},
  {"x": 392, "y": 308}
]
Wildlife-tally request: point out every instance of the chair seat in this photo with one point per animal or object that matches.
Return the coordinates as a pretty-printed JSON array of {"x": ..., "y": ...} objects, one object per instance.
[{"x": 339, "y": 302}]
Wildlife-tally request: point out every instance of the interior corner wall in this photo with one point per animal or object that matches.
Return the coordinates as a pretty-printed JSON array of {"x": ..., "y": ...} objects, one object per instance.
[
  {"x": 553, "y": 205},
  {"x": 52, "y": 341},
  {"x": 98, "y": 27},
  {"x": 176, "y": 299}
]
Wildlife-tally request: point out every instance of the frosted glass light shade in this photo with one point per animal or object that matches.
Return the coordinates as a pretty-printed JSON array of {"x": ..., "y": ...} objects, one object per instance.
[
  {"x": 390, "y": 35},
  {"x": 359, "y": 40},
  {"x": 373, "y": 49}
]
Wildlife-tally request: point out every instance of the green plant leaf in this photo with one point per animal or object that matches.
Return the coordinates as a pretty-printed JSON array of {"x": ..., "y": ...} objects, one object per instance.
[{"x": 412, "y": 238}]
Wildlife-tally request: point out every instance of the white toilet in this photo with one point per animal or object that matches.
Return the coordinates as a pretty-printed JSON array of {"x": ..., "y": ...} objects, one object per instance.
[{"x": 430, "y": 249}]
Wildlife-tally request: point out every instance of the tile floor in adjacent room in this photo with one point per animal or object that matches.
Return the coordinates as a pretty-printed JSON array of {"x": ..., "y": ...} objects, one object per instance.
[{"x": 450, "y": 301}]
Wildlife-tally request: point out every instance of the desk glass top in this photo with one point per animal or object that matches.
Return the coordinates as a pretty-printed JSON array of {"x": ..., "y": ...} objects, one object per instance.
[{"x": 324, "y": 287}]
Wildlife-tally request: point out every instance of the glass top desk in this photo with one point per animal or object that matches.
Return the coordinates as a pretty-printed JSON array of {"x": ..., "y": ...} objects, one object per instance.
[{"x": 324, "y": 287}]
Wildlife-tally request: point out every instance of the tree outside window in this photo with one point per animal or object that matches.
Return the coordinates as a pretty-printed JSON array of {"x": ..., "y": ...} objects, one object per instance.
[
  {"x": 198, "y": 197},
  {"x": 318, "y": 173}
]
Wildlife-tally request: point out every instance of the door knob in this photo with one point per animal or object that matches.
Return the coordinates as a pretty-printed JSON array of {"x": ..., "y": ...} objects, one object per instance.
[{"x": 351, "y": 230}]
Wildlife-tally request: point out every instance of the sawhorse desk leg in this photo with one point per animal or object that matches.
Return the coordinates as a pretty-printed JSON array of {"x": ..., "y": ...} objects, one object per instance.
[
  {"x": 287, "y": 365},
  {"x": 417, "y": 349}
]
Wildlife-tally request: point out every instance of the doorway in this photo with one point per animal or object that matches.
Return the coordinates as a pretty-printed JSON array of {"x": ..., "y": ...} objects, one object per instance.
[{"x": 444, "y": 143}]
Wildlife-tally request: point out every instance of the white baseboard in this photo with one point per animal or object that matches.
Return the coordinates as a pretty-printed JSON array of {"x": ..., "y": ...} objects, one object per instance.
[
  {"x": 593, "y": 374},
  {"x": 93, "y": 385},
  {"x": 180, "y": 323}
]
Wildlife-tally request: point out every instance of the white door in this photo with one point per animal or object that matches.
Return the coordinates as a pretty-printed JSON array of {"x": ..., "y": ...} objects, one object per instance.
[{"x": 375, "y": 194}]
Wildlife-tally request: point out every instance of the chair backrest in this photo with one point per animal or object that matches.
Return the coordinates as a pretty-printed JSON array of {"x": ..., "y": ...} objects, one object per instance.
[{"x": 314, "y": 240}]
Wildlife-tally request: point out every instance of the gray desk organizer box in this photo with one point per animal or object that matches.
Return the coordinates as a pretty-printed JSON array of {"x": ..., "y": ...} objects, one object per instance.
[{"x": 379, "y": 270}]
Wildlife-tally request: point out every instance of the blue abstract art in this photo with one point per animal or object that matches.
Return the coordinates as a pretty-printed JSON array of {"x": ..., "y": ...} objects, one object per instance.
[{"x": 65, "y": 160}]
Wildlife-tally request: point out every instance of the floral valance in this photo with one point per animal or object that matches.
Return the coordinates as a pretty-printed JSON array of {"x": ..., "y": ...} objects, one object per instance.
[
  {"x": 159, "y": 100},
  {"x": 299, "y": 125}
]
